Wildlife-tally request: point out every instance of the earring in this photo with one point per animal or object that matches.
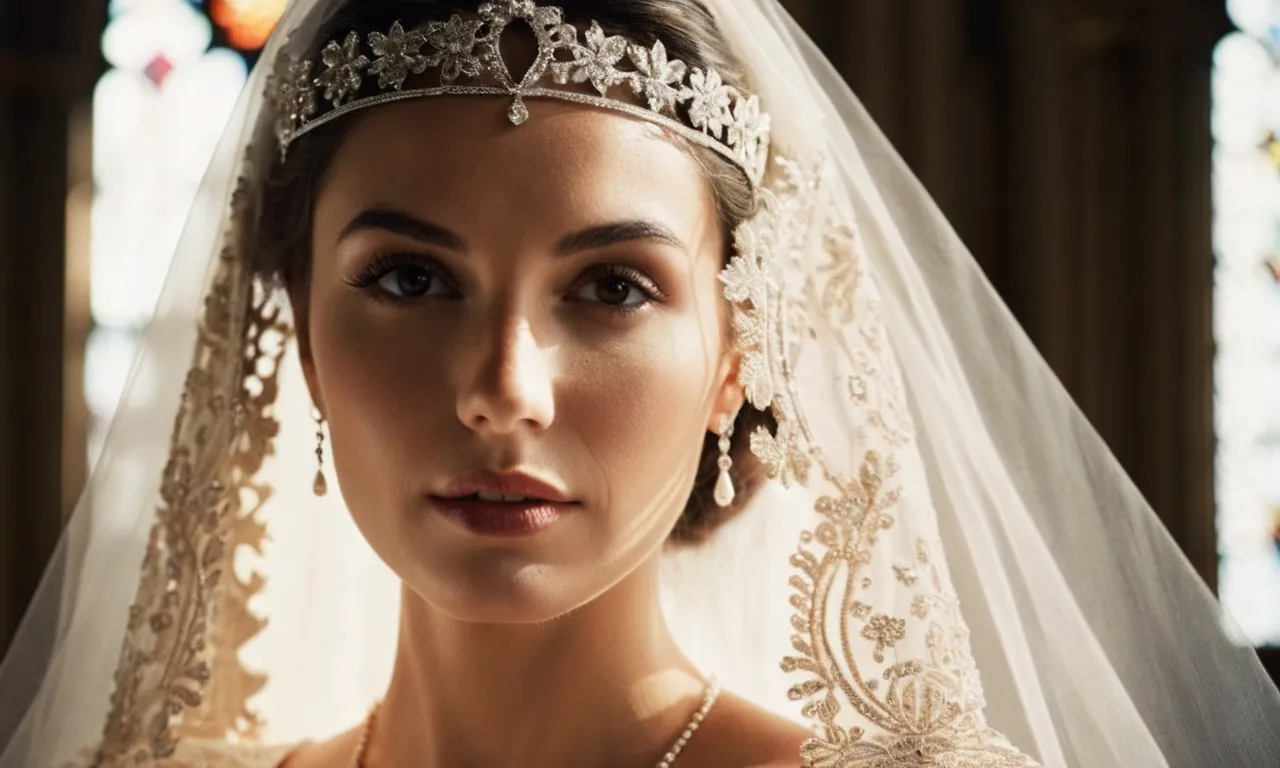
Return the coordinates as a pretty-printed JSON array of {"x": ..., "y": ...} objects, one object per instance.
[
  {"x": 724, "y": 484},
  {"x": 319, "y": 486}
]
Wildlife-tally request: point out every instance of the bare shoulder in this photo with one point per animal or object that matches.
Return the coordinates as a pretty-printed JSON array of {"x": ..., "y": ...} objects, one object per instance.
[
  {"x": 740, "y": 734},
  {"x": 334, "y": 753},
  {"x": 198, "y": 753}
]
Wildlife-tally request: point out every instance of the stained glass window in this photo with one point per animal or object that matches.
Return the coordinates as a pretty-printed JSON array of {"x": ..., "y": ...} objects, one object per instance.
[
  {"x": 176, "y": 70},
  {"x": 1246, "y": 177}
]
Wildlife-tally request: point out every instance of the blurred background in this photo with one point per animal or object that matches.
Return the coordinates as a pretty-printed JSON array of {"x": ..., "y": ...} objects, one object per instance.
[{"x": 1113, "y": 164}]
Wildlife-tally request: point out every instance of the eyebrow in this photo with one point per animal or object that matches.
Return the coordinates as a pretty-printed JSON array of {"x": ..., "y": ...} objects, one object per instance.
[
  {"x": 598, "y": 236},
  {"x": 612, "y": 233},
  {"x": 403, "y": 224}
]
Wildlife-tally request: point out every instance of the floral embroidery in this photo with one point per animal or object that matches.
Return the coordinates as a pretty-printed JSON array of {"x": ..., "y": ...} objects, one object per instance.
[
  {"x": 746, "y": 283},
  {"x": 781, "y": 455},
  {"x": 857, "y": 389},
  {"x": 209, "y": 506},
  {"x": 906, "y": 575},
  {"x": 798, "y": 258},
  {"x": 885, "y": 631},
  {"x": 843, "y": 275},
  {"x": 207, "y": 753}
]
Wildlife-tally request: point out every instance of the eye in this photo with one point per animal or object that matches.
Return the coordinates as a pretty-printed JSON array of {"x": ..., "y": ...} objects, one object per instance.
[
  {"x": 619, "y": 287},
  {"x": 409, "y": 282},
  {"x": 402, "y": 277}
]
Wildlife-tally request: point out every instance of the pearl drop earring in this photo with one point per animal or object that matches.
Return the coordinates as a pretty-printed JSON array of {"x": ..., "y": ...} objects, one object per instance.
[
  {"x": 724, "y": 492},
  {"x": 319, "y": 486}
]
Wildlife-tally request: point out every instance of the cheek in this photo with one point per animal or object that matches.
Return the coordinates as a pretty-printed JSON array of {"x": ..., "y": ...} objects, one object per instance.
[
  {"x": 384, "y": 395},
  {"x": 639, "y": 406}
]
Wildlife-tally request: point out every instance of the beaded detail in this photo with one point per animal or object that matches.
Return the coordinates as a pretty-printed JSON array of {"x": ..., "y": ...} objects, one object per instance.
[{"x": 693, "y": 102}]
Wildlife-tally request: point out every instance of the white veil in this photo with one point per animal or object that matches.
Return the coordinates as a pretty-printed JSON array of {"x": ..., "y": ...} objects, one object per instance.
[{"x": 947, "y": 470}]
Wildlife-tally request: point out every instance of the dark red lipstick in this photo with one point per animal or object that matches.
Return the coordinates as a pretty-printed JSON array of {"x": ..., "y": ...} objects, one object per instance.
[{"x": 502, "y": 503}]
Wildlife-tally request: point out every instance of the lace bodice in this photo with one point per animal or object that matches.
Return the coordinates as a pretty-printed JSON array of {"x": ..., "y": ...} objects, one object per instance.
[{"x": 194, "y": 753}]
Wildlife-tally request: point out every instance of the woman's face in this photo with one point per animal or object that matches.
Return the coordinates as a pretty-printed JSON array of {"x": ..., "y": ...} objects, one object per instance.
[{"x": 491, "y": 304}]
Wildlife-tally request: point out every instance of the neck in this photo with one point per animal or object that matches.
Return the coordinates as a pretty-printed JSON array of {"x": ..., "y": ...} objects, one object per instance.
[{"x": 604, "y": 684}]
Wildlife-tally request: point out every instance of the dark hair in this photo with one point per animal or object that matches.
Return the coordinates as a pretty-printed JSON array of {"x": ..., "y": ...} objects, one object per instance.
[{"x": 282, "y": 249}]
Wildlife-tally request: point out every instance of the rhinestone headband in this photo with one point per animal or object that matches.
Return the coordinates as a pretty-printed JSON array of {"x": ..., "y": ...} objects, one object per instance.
[{"x": 714, "y": 115}]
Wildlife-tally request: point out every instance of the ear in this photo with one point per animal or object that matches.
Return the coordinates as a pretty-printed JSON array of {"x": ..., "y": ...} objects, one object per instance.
[
  {"x": 729, "y": 395},
  {"x": 302, "y": 335}
]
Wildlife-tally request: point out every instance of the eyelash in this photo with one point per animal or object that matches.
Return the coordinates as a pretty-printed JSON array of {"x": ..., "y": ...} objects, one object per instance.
[
  {"x": 368, "y": 278},
  {"x": 637, "y": 278}
]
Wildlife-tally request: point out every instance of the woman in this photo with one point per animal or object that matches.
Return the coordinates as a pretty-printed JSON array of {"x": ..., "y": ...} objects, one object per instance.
[{"x": 555, "y": 329}]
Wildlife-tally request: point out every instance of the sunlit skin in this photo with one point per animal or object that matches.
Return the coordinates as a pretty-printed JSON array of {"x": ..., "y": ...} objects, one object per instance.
[{"x": 543, "y": 300}]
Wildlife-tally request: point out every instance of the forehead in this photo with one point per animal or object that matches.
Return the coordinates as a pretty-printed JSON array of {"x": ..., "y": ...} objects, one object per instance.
[{"x": 461, "y": 155}]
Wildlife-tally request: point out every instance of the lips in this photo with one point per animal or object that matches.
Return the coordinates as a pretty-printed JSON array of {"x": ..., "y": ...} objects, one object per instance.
[
  {"x": 507, "y": 497},
  {"x": 503, "y": 487},
  {"x": 502, "y": 504}
]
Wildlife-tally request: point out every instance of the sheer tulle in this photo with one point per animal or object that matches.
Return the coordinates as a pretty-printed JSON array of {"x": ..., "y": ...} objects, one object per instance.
[{"x": 1096, "y": 642}]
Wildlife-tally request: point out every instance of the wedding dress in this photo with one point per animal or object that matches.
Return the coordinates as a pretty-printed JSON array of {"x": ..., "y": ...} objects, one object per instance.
[
  {"x": 220, "y": 754},
  {"x": 950, "y": 570}
]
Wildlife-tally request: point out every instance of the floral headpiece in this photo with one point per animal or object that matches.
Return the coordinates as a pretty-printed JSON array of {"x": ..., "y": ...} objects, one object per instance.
[{"x": 695, "y": 103}]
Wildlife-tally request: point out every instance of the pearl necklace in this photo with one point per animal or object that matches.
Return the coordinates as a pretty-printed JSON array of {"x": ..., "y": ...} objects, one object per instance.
[{"x": 708, "y": 700}]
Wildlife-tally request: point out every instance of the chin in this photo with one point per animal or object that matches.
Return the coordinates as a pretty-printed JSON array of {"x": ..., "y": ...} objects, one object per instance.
[
  {"x": 504, "y": 588},
  {"x": 524, "y": 580}
]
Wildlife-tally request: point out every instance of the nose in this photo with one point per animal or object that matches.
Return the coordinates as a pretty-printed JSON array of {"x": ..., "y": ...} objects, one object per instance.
[{"x": 509, "y": 384}]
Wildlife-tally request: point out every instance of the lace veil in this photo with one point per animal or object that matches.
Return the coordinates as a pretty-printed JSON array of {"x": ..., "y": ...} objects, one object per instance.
[{"x": 950, "y": 570}]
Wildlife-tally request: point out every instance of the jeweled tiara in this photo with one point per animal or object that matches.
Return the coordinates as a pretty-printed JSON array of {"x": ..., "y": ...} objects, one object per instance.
[{"x": 693, "y": 102}]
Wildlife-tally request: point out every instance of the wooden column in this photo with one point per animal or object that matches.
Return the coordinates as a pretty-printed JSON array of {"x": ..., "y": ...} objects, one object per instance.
[
  {"x": 1111, "y": 263},
  {"x": 47, "y": 64}
]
